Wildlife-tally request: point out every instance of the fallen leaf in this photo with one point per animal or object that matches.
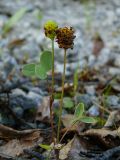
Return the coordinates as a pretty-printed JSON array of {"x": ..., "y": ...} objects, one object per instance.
[
  {"x": 43, "y": 110},
  {"x": 98, "y": 44},
  {"x": 113, "y": 120},
  {"x": 100, "y": 138},
  {"x": 10, "y": 133},
  {"x": 16, "y": 42},
  {"x": 76, "y": 147},
  {"x": 18, "y": 140},
  {"x": 65, "y": 150}
]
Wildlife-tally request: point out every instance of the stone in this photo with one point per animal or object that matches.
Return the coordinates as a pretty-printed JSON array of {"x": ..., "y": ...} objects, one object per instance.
[
  {"x": 94, "y": 111},
  {"x": 83, "y": 98},
  {"x": 112, "y": 101},
  {"x": 23, "y": 100}
]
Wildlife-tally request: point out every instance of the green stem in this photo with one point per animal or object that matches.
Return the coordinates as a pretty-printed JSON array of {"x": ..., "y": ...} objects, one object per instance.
[
  {"x": 67, "y": 131},
  {"x": 61, "y": 101},
  {"x": 52, "y": 94}
]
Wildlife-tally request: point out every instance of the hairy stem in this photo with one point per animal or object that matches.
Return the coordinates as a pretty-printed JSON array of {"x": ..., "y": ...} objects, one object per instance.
[
  {"x": 53, "y": 67},
  {"x": 61, "y": 101},
  {"x": 52, "y": 94}
]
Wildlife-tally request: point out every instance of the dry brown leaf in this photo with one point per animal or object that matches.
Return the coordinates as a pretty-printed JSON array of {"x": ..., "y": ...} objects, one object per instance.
[
  {"x": 113, "y": 120},
  {"x": 65, "y": 150},
  {"x": 67, "y": 120},
  {"x": 16, "y": 42},
  {"x": 98, "y": 44},
  {"x": 43, "y": 110},
  {"x": 101, "y": 138},
  {"x": 75, "y": 149},
  {"x": 15, "y": 147},
  {"x": 18, "y": 140},
  {"x": 10, "y": 133}
]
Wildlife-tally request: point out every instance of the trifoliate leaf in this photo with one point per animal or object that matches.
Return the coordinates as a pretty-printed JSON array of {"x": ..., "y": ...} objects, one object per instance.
[
  {"x": 88, "y": 120},
  {"x": 46, "y": 60},
  {"x": 40, "y": 71},
  {"x": 79, "y": 110},
  {"x": 68, "y": 103},
  {"x": 29, "y": 69}
]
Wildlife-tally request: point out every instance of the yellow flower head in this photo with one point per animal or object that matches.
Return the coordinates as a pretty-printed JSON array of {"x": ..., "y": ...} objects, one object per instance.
[
  {"x": 65, "y": 37},
  {"x": 50, "y": 28}
]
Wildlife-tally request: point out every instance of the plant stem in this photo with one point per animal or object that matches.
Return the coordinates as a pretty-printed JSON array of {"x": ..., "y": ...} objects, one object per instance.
[
  {"x": 67, "y": 131},
  {"x": 61, "y": 101},
  {"x": 52, "y": 94},
  {"x": 53, "y": 67}
]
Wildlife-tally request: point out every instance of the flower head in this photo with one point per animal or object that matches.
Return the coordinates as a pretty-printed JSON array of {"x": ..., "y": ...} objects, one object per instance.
[
  {"x": 50, "y": 28},
  {"x": 65, "y": 37}
]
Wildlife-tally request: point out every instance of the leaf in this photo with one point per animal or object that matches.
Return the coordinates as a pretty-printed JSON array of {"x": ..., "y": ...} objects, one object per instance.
[
  {"x": 79, "y": 110},
  {"x": 29, "y": 69},
  {"x": 14, "y": 19},
  {"x": 44, "y": 66},
  {"x": 40, "y": 71},
  {"x": 88, "y": 120},
  {"x": 67, "y": 120},
  {"x": 43, "y": 110},
  {"x": 46, "y": 60},
  {"x": 65, "y": 151},
  {"x": 75, "y": 82},
  {"x": 68, "y": 103},
  {"x": 17, "y": 140},
  {"x": 46, "y": 147}
]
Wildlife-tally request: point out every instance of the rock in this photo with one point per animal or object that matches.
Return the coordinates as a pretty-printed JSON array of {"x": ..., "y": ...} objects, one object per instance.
[
  {"x": 10, "y": 63},
  {"x": 118, "y": 12},
  {"x": 6, "y": 119},
  {"x": 114, "y": 71},
  {"x": 94, "y": 111},
  {"x": 113, "y": 101},
  {"x": 23, "y": 100},
  {"x": 117, "y": 61},
  {"x": 83, "y": 98},
  {"x": 18, "y": 111},
  {"x": 74, "y": 153},
  {"x": 90, "y": 90},
  {"x": 30, "y": 50}
]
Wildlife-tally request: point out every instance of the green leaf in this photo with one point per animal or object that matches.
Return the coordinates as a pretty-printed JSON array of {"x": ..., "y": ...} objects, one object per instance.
[
  {"x": 46, "y": 147},
  {"x": 38, "y": 14},
  {"x": 29, "y": 69},
  {"x": 46, "y": 60},
  {"x": 79, "y": 110},
  {"x": 40, "y": 71},
  {"x": 75, "y": 82},
  {"x": 68, "y": 103},
  {"x": 14, "y": 19},
  {"x": 88, "y": 119}
]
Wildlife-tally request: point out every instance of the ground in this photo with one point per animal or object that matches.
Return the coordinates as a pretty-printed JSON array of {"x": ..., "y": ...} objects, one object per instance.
[{"x": 24, "y": 102}]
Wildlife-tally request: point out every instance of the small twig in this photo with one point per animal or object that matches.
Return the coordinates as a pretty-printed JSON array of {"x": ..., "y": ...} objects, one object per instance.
[
  {"x": 108, "y": 83},
  {"x": 101, "y": 107},
  {"x": 67, "y": 131}
]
